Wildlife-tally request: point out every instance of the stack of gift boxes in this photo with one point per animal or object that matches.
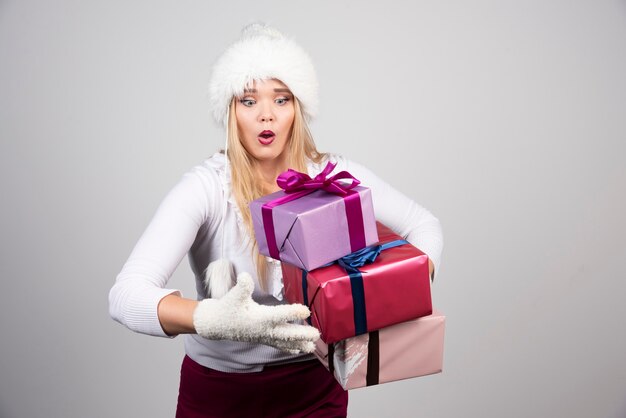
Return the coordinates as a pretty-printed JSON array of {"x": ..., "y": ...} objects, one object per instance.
[{"x": 367, "y": 288}]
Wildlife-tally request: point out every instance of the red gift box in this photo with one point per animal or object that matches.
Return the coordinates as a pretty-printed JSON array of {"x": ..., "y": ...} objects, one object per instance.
[{"x": 392, "y": 289}]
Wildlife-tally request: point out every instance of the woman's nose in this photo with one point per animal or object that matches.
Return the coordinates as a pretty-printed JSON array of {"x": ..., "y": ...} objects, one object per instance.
[{"x": 266, "y": 114}]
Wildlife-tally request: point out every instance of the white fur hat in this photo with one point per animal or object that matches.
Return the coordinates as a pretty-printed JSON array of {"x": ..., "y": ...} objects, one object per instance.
[{"x": 262, "y": 53}]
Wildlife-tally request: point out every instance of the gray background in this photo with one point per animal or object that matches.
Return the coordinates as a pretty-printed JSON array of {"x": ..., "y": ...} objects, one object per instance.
[{"x": 505, "y": 118}]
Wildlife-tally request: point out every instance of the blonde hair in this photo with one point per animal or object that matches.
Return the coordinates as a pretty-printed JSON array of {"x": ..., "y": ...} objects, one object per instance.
[{"x": 246, "y": 185}]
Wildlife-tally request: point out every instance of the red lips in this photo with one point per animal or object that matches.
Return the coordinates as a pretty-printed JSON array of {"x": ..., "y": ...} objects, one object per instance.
[{"x": 266, "y": 137}]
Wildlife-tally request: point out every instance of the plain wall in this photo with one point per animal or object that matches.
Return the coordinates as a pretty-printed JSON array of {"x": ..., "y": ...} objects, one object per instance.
[{"x": 504, "y": 118}]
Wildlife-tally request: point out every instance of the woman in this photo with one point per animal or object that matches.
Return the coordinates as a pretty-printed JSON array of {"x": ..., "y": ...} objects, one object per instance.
[{"x": 244, "y": 354}]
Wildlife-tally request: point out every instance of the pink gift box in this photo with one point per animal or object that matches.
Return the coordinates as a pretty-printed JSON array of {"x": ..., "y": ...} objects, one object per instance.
[
  {"x": 315, "y": 229},
  {"x": 392, "y": 289},
  {"x": 402, "y": 351}
]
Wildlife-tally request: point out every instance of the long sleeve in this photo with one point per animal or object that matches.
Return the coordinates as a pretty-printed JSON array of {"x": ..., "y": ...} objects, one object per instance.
[
  {"x": 410, "y": 220},
  {"x": 141, "y": 284}
]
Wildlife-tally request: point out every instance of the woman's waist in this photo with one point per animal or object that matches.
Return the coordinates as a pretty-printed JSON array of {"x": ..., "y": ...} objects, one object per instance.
[{"x": 237, "y": 357}]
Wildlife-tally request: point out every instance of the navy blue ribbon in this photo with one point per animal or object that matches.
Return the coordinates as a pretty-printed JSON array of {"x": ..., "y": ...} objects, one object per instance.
[
  {"x": 305, "y": 294},
  {"x": 367, "y": 255}
]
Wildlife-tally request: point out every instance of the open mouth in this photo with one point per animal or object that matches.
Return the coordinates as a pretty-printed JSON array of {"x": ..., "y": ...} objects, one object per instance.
[{"x": 266, "y": 137}]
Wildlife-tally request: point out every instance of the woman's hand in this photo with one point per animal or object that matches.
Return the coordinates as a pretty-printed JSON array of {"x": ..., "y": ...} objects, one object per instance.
[
  {"x": 237, "y": 317},
  {"x": 431, "y": 269}
]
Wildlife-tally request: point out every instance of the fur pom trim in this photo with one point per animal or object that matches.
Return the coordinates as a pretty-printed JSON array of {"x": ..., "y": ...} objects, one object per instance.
[
  {"x": 262, "y": 53},
  {"x": 219, "y": 278}
]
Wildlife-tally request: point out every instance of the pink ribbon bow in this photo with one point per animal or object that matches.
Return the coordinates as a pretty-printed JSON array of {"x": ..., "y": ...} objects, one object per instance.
[
  {"x": 292, "y": 181},
  {"x": 297, "y": 184}
]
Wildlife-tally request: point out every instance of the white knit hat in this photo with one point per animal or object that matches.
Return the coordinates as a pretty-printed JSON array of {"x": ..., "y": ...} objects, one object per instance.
[{"x": 262, "y": 53}]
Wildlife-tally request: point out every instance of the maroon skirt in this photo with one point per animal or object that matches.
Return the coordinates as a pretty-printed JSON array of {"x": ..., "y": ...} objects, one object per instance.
[{"x": 303, "y": 389}]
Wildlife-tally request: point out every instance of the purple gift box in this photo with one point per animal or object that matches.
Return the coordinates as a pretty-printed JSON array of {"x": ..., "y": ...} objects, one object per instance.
[{"x": 309, "y": 225}]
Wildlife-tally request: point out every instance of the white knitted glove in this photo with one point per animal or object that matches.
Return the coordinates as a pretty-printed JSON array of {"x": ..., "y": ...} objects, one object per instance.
[{"x": 235, "y": 316}]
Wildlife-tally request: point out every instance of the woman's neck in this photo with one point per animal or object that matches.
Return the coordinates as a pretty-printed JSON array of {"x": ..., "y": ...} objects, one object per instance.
[{"x": 268, "y": 171}]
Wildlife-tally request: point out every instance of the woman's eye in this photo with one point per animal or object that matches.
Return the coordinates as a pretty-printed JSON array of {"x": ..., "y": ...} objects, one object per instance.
[
  {"x": 247, "y": 102},
  {"x": 282, "y": 100}
]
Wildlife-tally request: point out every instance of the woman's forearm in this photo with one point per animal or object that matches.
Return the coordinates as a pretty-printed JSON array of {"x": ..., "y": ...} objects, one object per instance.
[{"x": 176, "y": 314}]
